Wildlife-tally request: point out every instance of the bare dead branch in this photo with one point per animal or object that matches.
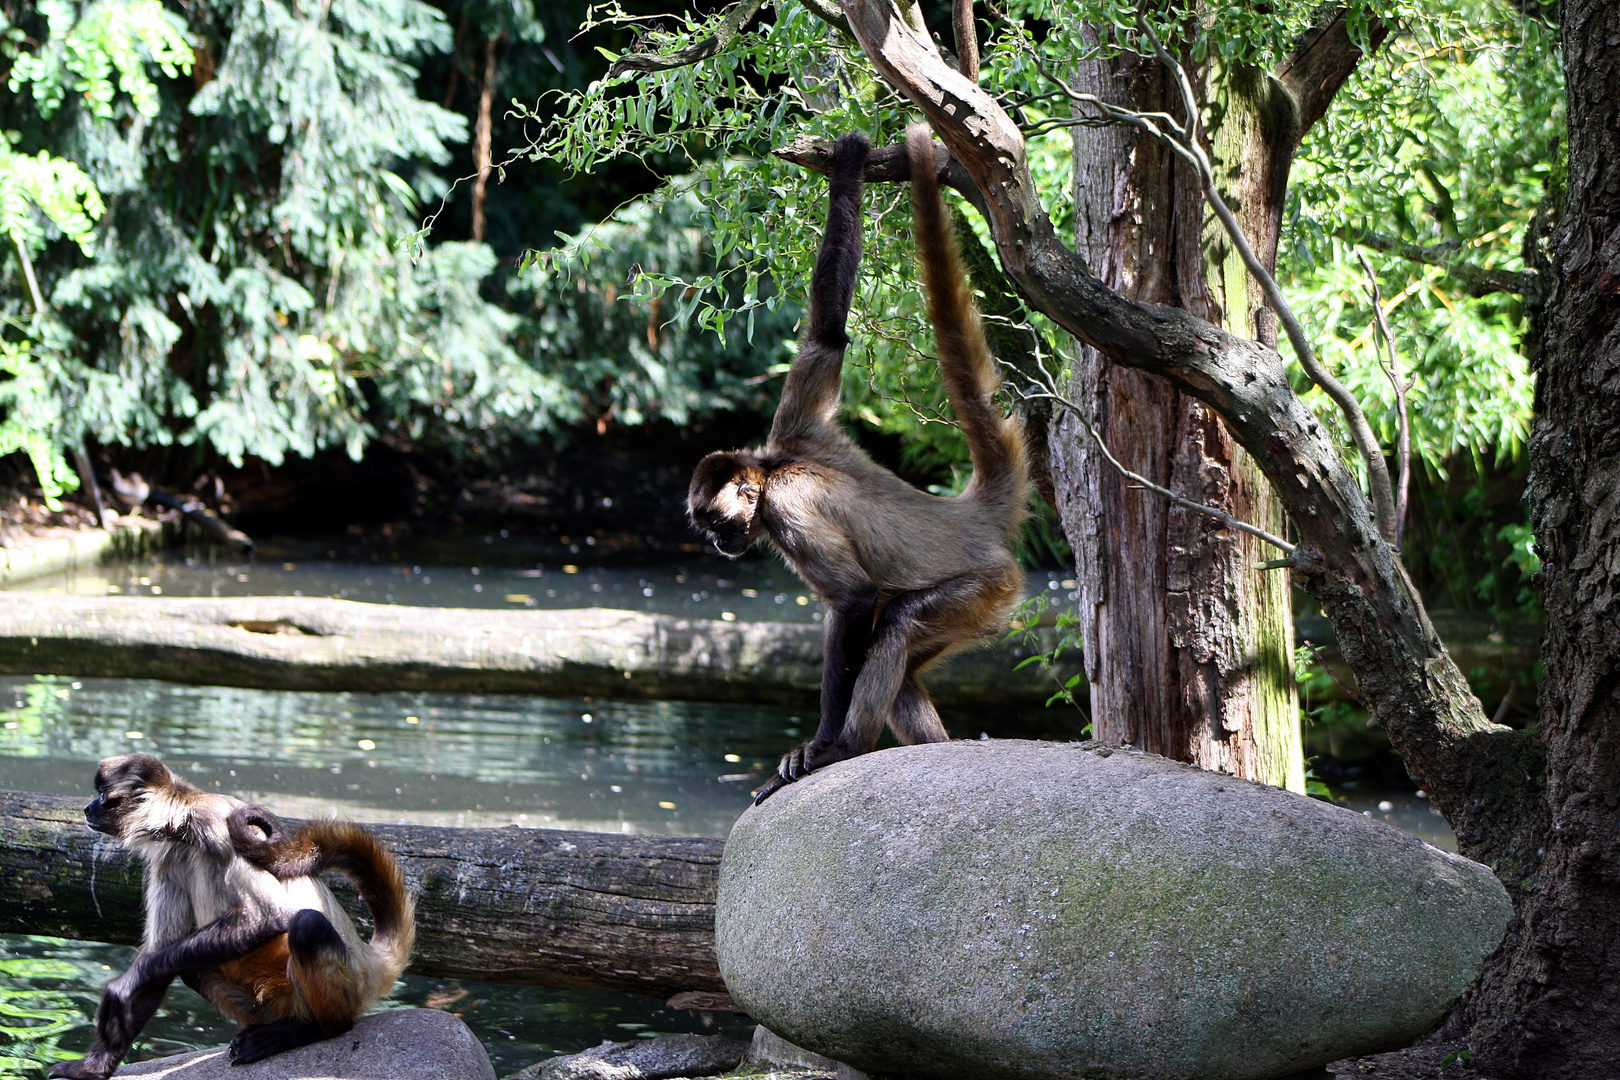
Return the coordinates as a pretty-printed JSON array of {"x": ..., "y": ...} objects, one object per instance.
[
  {"x": 1391, "y": 366},
  {"x": 738, "y": 16},
  {"x": 1045, "y": 385},
  {"x": 1477, "y": 280},
  {"x": 886, "y": 164}
]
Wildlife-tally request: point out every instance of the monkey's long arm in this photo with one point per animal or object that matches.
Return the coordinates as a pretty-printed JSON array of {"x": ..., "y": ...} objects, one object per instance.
[
  {"x": 810, "y": 395},
  {"x": 128, "y": 1001}
]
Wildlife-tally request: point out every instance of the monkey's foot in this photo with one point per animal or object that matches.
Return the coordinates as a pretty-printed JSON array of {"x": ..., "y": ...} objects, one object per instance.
[
  {"x": 797, "y": 764},
  {"x": 259, "y": 1041},
  {"x": 83, "y": 1069}
]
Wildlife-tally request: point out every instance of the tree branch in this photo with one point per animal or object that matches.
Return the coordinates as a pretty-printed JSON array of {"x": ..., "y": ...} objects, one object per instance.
[
  {"x": 1477, "y": 280},
  {"x": 967, "y": 38},
  {"x": 738, "y": 16},
  {"x": 828, "y": 12},
  {"x": 1321, "y": 62}
]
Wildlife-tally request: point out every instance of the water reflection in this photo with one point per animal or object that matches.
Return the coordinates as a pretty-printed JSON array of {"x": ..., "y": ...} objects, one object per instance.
[{"x": 439, "y": 759}]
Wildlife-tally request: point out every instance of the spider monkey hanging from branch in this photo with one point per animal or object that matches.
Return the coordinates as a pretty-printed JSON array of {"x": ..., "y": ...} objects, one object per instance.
[
  {"x": 235, "y": 910},
  {"x": 904, "y": 576}
]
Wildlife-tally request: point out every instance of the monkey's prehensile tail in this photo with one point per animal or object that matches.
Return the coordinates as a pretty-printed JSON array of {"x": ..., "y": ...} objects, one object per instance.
[
  {"x": 1000, "y": 471},
  {"x": 352, "y": 851}
]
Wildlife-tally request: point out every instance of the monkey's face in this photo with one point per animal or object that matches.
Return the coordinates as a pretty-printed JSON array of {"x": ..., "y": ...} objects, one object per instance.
[
  {"x": 122, "y": 787},
  {"x": 724, "y": 501}
]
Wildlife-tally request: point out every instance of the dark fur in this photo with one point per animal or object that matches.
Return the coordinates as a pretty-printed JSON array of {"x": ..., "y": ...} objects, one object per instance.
[
  {"x": 234, "y": 909},
  {"x": 904, "y": 576}
]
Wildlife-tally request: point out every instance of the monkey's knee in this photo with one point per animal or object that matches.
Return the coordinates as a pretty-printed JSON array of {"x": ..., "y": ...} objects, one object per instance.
[{"x": 311, "y": 938}]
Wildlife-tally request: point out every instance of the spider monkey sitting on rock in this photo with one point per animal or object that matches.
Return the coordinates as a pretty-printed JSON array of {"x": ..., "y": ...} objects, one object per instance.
[
  {"x": 904, "y": 576},
  {"x": 235, "y": 910}
]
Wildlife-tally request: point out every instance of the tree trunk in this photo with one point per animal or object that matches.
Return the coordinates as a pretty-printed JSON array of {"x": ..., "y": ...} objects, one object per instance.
[
  {"x": 1550, "y": 1009},
  {"x": 545, "y": 907},
  {"x": 1188, "y": 648},
  {"x": 314, "y": 643}
]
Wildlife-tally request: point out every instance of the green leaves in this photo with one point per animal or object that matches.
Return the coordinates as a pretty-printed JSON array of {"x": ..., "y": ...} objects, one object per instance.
[
  {"x": 1443, "y": 137},
  {"x": 100, "y": 51},
  {"x": 50, "y": 185}
]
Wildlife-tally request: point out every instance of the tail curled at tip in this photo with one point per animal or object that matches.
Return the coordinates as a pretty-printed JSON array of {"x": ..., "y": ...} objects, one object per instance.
[
  {"x": 351, "y": 850},
  {"x": 1000, "y": 469}
]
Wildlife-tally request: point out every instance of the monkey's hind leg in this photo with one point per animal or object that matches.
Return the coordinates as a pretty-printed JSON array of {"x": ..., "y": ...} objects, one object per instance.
[
  {"x": 915, "y": 719},
  {"x": 319, "y": 970},
  {"x": 914, "y": 631}
]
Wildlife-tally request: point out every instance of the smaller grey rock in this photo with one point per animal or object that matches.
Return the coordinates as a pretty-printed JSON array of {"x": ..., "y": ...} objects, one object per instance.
[
  {"x": 770, "y": 1049},
  {"x": 400, "y": 1044},
  {"x": 663, "y": 1058}
]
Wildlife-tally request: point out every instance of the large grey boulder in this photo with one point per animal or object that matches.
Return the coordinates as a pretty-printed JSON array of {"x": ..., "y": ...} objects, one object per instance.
[
  {"x": 400, "y": 1044},
  {"x": 1018, "y": 909}
]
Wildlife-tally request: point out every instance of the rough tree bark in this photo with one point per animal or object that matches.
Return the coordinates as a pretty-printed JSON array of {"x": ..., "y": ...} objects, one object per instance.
[
  {"x": 1540, "y": 808},
  {"x": 1551, "y": 1008}
]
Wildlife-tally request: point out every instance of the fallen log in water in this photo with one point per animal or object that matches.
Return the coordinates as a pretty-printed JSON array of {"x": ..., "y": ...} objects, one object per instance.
[
  {"x": 310, "y": 643},
  {"x": 538, "y": 906}
]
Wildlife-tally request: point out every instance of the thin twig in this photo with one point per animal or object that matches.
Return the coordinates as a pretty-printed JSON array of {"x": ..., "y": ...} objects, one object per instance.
[
  {"x": 1500, "y": 716},
  {"x": 1047, "y": 391},
  {"x": 1391, "y": 368},
  {"x": 736, "y": 18},
  {"x": 28, "y": 273},
  {"x": 1477, "y": 280},
  {"x": 1334, "y": 675}
]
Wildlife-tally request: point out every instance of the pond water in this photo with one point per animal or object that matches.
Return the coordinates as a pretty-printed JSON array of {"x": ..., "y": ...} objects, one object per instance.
[{"x": 442, "y": 759}]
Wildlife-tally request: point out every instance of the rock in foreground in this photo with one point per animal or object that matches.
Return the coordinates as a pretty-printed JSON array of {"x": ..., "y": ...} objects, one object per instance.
[
  {"x": 1016, "y": 909},
  {"x": 401, "y": 1044},
  {"x": 662, "y": 1058}
]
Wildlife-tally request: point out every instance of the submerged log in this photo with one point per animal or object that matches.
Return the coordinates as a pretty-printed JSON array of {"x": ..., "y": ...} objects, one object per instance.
[
  {"x": 538, "y": 906},
  {"x": 310, "y": 643}
]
